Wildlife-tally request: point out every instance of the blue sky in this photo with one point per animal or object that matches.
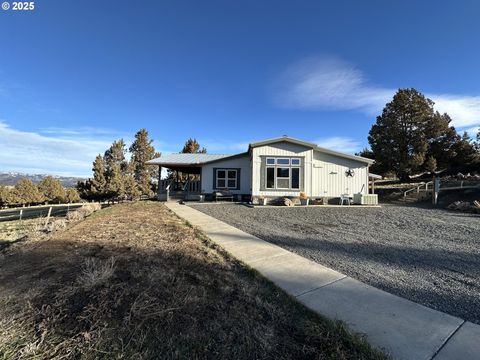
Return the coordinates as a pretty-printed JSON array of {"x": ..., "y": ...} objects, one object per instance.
[{"x": 76, "y": 75}]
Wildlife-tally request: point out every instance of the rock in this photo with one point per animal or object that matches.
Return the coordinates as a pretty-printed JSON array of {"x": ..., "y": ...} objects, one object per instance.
[
  {"x": 288, "y": 202},
  {"x": 460, "y": 206}
]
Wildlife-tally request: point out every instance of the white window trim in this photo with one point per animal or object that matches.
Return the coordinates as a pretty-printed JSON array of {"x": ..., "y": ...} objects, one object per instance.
[
  {"x": 226, "y": 178},
  {"x": 299, "y": 177},
  {"x": 266, "y": 175},
  {"x": 289, "y": 167},
  {"x": 289, "y": 177}
]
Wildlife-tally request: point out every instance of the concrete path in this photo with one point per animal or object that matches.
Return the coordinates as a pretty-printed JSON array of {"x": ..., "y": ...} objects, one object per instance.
[{"x": 402, "y": 328}]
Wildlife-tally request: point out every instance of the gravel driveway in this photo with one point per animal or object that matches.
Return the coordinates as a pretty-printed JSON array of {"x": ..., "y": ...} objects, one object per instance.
[{"x": 429, "y": 256}]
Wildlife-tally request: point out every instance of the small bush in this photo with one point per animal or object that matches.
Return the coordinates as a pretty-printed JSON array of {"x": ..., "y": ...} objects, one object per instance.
[
  {"x": 83, "y": 212},
  {"x": 56, "y": 225},
  {"x": 96, "y": 272}
]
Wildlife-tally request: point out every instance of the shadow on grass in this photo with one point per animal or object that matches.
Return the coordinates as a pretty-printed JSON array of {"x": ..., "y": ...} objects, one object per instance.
[{"x": 97, "y": 300}]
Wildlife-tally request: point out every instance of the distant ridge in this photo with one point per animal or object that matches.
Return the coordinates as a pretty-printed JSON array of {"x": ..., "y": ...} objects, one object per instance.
[{"x": 11, "y": 178}]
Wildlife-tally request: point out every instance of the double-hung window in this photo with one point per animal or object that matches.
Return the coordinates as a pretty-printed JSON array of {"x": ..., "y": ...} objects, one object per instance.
[
  {"x": 282, "y": 173},
  {"x": 226, "y": 179}
]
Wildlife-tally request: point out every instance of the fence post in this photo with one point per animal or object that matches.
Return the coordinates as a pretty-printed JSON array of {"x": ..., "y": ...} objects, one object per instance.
[
  {"x": 48, "y": 216},
  {"x": 436, "y": 190},
  {"x": 21, "y": 214}
]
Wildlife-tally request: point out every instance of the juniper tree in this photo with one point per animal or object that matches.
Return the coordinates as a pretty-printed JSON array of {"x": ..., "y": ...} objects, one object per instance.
[
  {"x": 142, "y": 151},
  {"x": 71, "y": 196},
  {"x": 5, "y": 195},
  {"x": 26, "y": 192},
  {"x": 51, "y": 189},
  {"x": 131, "y": 188},
  {"x": 115, "y": 165},
  {"x": 193, "y": 147},
  {"x": 465, "y": 153},
  {"x": 96, "y": 186},
  {"x": 398, "y": 138}
]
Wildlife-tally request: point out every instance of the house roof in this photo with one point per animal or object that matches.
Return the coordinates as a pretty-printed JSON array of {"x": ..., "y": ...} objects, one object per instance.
[
  {"x": 310, "y": 145},
  {"x": 181, "y": 159},
  {"x": 186, "y": 159}
]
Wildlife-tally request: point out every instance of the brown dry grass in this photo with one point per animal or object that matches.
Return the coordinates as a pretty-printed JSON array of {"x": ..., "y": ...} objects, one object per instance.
[{"x": 135, "y": 282}]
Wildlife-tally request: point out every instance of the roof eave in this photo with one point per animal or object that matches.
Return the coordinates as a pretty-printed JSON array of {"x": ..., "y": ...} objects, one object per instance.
[
  {"x": 227, "y": 157},
  {"x": 312, "y": 146}
]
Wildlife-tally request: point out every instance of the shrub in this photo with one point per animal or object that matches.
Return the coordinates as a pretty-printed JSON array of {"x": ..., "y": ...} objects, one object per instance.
[{"x": 96, "y": 272}]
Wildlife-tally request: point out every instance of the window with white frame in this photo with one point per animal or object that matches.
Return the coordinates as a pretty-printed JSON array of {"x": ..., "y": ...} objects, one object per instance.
[
  {"x": 282, "y": 173},
  {"x": 226, "y": 179}
]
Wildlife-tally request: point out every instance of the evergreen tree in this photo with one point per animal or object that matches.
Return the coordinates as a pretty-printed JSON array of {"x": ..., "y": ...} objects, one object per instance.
[
  {"x": 442, "y": 143},
  {"x": 131, "y": 188},
  {"x": 142, "y": 151},
  {"x": 71, "y": 196},
  {"x": 96, "y": 187},
  {"x": 51, "y": 189},
  {"x": 115, "y": 166},
  {"x": 84, "y": 189},
  {"x": 5, "y": 196},
  {"x": 193, "y": 147},
  {"x": 465, "y": 153},
  {"x": 399, "y": 136},
  {"x": 431, "y": 164},
  {"x": 477, "y": 143},
  {"x": 26, "y": 192}
]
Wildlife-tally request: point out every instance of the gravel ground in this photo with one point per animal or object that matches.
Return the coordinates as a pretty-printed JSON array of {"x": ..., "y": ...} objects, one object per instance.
[{"x": 426, "y": 255}]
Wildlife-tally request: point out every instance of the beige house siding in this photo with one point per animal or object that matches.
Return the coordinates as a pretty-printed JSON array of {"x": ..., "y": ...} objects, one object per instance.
[
  {"x": 280, "y": 149},
  {"x": 243, "y": 163},
  {"x": 323, "y": 175},
  {"x": 329, "y": 177}
]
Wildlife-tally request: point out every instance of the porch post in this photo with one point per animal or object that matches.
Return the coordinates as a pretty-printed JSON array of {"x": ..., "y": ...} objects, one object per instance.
[
  {"x": 176, "y": 180},
  {"x": 159, "y": 187}
]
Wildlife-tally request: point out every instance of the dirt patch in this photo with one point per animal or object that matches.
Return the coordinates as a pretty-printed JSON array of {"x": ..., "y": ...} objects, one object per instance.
[{"x": 134, "y": 281}]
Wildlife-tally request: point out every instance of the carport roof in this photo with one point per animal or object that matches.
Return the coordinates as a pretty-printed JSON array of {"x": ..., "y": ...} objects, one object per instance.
[{"x": 189, "y": 159}]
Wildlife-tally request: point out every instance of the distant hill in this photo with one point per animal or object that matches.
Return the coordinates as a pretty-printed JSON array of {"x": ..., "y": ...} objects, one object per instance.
[{"x": 11, "y": 178}]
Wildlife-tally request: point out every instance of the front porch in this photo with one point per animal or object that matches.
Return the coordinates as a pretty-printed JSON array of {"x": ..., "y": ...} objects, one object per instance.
[{"x": 181, "y": 183}]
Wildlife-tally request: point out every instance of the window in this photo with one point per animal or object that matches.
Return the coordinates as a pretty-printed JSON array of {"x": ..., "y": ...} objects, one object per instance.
[
  {"x": 282, "y": 173},
  {"x": 283, "y": 161},
  {"x": 296, "y": 178},
  {"x": 283, "y": 178},
  {"x": 270, "y": 178},
  {"x": 226, "y": 179}
]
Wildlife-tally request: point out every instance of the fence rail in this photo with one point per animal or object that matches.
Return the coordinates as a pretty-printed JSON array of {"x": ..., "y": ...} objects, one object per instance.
[{"x": 36, "y": 211}]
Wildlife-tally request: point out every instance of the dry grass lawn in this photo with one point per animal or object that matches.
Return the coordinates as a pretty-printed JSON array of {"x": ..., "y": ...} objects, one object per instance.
[{"x": 135, "y": 282}]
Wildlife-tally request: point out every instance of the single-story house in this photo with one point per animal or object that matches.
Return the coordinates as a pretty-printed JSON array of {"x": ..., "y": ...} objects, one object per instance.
[{"x": 273, "y": 168}]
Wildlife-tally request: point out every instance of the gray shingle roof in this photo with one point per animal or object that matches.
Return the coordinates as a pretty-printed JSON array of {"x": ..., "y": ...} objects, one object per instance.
[{"x": 186, "y": 159}]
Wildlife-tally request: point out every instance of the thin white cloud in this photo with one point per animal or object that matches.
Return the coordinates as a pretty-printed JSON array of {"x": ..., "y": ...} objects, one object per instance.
[
  {"x": 328, "y": 82},
  {"x": 339, "y": 143},
  {"x": 85, "y": 131},
  {"x": 33, "y": 152},
  {"x": 464, "y": 110}
]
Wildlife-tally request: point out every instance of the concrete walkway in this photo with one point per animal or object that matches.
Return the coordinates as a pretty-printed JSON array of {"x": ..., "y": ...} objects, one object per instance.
[{"x": 402, "y": 328}]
